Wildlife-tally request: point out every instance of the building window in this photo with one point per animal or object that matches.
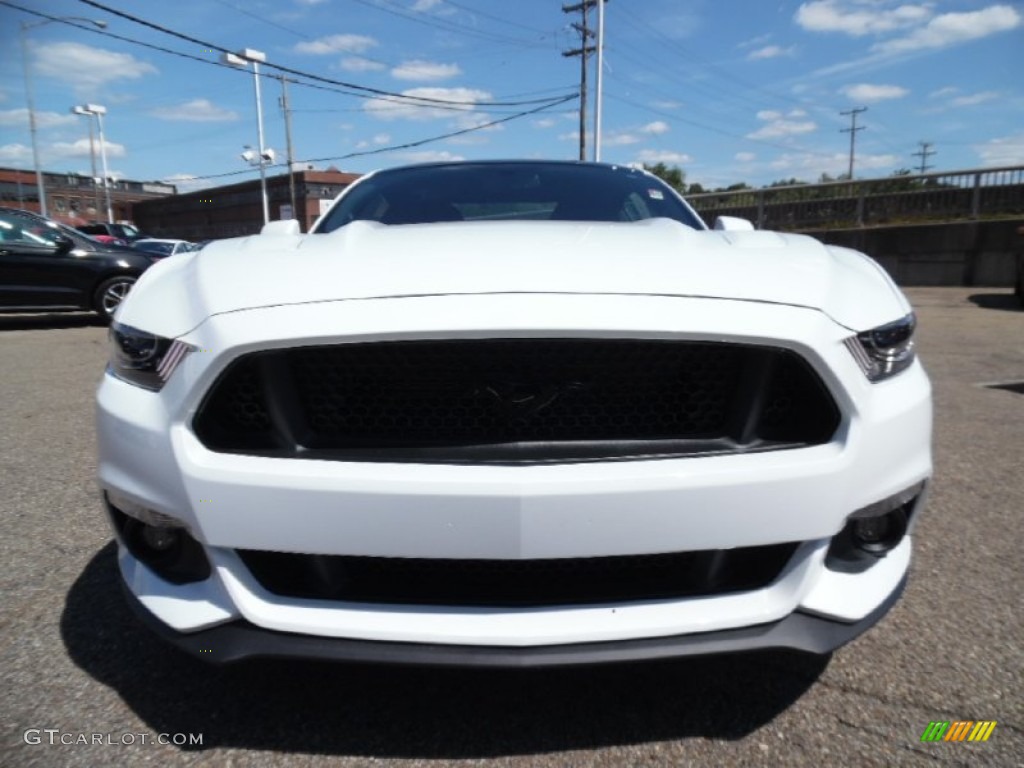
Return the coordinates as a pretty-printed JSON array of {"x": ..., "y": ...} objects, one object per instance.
[{"x": 60, "y": 204}]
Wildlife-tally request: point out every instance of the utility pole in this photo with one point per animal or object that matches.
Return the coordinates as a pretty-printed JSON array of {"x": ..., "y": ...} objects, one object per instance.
[
  {"x": 288, "y": 139},
  {"x": 599, "y": 99},
  {"x": 583, "y": 51},
  {"x": 924, "y": 154},
  {"x": 852, "y": 130}
]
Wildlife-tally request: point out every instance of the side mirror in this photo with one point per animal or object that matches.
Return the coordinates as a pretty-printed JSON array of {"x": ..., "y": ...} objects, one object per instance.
[
  {"x": 733, "y": 224},
  {"x": 278, "y": 228},
  {"x": 63, "y": 244}
]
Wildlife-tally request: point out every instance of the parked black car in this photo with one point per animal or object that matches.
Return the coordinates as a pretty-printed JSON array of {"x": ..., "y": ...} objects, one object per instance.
[
  {"x": 125, "y": 232},
  {"x": 45, "y": 266}
]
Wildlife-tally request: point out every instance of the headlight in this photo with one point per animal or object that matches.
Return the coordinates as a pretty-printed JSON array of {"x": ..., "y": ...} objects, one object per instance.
[
  {"x": 143, "y": 359},
  {"x": 886, "y": 350}
]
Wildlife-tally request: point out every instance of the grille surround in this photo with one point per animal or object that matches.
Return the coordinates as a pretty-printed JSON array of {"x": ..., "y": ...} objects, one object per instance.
[{"x": 514, "y": 401}]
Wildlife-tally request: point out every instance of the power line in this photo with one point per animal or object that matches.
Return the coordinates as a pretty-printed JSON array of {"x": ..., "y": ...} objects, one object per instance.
[
  {"x": 411, "y": 100},
  {"x": 396, "y": 147},
  {"x": 448, "y": 26},
  {"x": 499, "y": 19},
  {"x": 713, "y": 129}
]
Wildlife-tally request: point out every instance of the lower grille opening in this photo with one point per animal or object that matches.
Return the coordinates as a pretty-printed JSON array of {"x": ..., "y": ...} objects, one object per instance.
[
  {"x": 516, "y": 401},
  {"x": 511, "y": 583}
]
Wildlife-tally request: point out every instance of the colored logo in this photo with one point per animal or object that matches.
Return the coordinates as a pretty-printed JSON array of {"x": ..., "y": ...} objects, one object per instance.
[{"x": 959, "y": 730}]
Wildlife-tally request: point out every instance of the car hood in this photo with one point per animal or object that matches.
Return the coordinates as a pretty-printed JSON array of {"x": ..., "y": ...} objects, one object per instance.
[{"x": 369, "y": 260}]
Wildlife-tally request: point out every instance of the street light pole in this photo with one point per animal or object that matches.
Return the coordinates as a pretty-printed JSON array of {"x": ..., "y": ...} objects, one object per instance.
[
  {"x": 98, "y": 111},
  {"x": 92, "y": 155},
  {"x": 599, "y": 98},
  {"x": 25, "y": 26},
  {"x": 259, "y": 136},
  {"x": 32, "y": 116},
  {"x": 241, "y": 59}
]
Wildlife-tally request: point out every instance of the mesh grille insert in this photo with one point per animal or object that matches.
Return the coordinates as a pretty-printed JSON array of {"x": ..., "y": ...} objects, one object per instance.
[{"x": 512, "y": 400}]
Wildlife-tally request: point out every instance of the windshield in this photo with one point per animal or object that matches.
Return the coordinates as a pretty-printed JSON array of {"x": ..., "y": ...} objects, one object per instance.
[
  {"x": 511, "y": 191},
  {"x": 125, "y": 231},
  {"x": 155, "y": 246}
]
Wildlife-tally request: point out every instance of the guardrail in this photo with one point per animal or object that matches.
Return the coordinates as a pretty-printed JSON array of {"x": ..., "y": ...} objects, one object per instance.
[{"x": 952, "y": 196}]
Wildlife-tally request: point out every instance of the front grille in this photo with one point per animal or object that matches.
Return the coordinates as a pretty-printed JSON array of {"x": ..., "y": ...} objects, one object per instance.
[
  {"x": 516, "y": 400},
  {"x": 522, "y": 583}
]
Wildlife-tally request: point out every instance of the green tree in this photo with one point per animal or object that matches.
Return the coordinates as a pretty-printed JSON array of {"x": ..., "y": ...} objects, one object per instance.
[{"x": 673, "y": 175}]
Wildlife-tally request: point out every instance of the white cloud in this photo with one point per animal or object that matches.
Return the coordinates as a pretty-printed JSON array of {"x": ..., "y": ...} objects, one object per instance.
[
  {"x": 464, "y": 99},
  {"x": 952, "y": 28},
  {"x": 422, "y": 6},
  {"x": 974, "y": 99},
  {"x": 424, "y": 71},
  {"x": 779, "y": 125},
  {"x": 359, "y": 64},
  {"x": 187, "y": 182},
  {"x": 871, "y": 93},
  {"x": 545, "y": 122},
  {"x": 378, "y": 140},
  {"x": 781, "y": 128},
  {"x": 1006, "y": 150},
  {"x": 759, "y": 40},
  {"x": 657, "y": 128},
  {"x": 653, "y": 156},
  {"x": 745, "y": 157},
  {"x": 619, "y": 140},
  {"x": 942, "y": 93},
  {"x": 835, "y": 165},
  {"x": 10, "y": 118},
  {"x": 860, "y": 19},
  {"x": 337, "y": 44},
  {"x": 86, "y": 68},
  {"x": 15, "y": 154},
  {"x": 195, "y": 111},
  {"x": 666, "y": 104},
  {"x": 431, "y": 156},
  {"x": 310, "y": 2},
  {"x": 62, "y": 149},
  {"x": 770, "y": 52}
]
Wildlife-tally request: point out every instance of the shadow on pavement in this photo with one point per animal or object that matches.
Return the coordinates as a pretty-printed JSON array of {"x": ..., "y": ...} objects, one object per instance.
[
  {"x": 49, "y": 321},
  {"x": 1006, "y": 300},
  {"x": 314, "y": 708}
]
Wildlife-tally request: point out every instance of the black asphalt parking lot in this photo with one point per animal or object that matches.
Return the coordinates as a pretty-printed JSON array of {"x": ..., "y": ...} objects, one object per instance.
[{"x": 77, "y": 666}]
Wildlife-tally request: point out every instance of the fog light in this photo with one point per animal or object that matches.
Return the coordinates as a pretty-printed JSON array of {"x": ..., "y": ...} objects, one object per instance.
[
  {"x": 872, "y": 532},
  {"x": 159, "y": 539},
  {"x": 879, "y": 534}
]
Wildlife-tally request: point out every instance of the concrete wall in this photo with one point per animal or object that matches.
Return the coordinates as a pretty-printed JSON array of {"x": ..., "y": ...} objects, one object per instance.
[{"x": 982, "y": 253}]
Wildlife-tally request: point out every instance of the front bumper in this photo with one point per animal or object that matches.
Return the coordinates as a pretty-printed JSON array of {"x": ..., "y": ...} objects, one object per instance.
[
  {"x": 240, "y": 640},
  {"x": 149, "y": 454}
]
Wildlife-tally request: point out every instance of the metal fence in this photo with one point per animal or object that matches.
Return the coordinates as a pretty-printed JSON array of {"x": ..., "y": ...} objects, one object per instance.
[{"x": 954, "y": 196}]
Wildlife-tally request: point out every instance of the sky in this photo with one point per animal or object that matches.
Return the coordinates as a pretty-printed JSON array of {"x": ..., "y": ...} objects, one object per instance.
[{"x": 729, "y": 91}]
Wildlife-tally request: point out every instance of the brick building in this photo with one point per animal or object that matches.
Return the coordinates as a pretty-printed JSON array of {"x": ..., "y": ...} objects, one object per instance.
[
  {"x": 75, "y": 199},
  {"x": 237, "y": 209}
]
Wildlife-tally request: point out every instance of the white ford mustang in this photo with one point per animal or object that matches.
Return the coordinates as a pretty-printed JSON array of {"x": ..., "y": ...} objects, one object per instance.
[{"x": 513, "y": 413}]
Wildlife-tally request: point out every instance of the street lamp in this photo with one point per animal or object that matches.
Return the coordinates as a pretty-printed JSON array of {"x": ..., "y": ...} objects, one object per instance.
[
  {"x": 242, "y": 59},
  {"x": 98, "y": 111},
  {"x": 92, "y": 156},
  {"x": 25, "y": 26}
]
